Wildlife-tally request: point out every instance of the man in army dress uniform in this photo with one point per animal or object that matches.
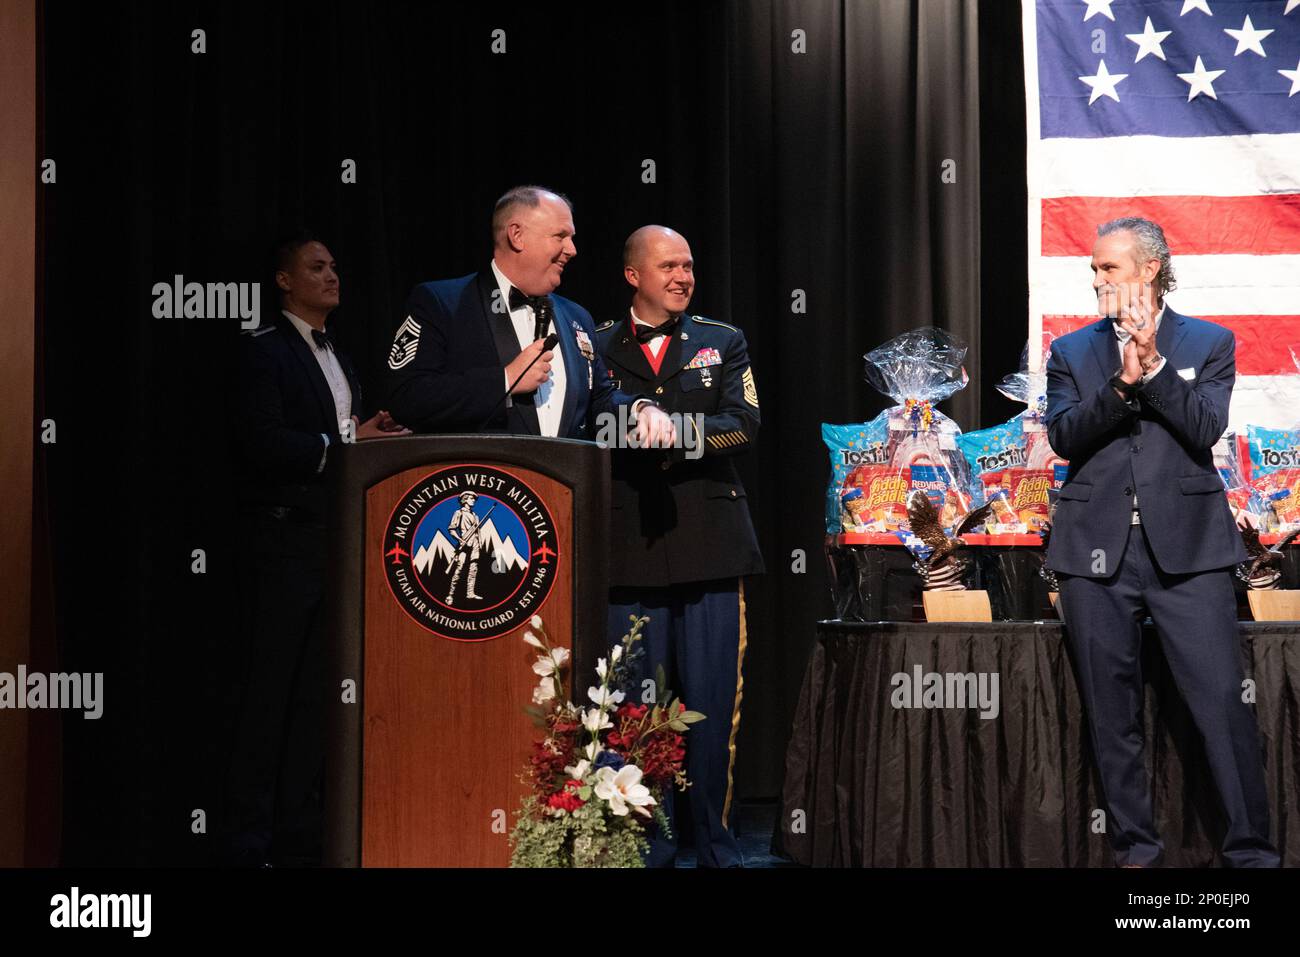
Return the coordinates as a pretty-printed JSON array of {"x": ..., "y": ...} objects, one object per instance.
[{"x": 680, "y": 520}]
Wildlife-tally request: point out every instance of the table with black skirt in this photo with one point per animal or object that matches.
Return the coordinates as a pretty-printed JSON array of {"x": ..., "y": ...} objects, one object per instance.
[{"x": 876, "y": 776}]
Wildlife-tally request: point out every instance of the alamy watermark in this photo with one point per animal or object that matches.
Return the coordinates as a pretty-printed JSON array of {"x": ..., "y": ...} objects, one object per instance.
[
  {"x": 949, "y": 689},
  {"x": 179, "y": 299},
  {"x": 619, "y": 431},
  {"x": 75, "y": 909},
  {"x": 35, "y": 690}
]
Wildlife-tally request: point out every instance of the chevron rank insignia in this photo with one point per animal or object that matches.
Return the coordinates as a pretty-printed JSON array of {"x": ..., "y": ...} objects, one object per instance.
[
  {"x": 751, "y": 391},
  {"x": 405, "y": 344},
  {"x": 705, "y": 357},
  {"x": 727, "y": 440},
  {"x": 584, "y": 342}
]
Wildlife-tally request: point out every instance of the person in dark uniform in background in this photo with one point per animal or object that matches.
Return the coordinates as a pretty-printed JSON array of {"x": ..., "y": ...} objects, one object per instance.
[
  {"x": 299, "y": 398},
  {"x": 464, "y": 341},
  {"x": 681, "y": 526}
]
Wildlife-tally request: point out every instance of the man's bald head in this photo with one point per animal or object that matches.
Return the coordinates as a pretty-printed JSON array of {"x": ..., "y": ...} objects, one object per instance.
[
  {"x": 639, "y": 243},
  {"x": 657, "y": 263}
]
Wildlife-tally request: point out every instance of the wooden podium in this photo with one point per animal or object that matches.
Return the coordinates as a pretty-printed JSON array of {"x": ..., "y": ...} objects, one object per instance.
[{"x": 431, "y": 588}]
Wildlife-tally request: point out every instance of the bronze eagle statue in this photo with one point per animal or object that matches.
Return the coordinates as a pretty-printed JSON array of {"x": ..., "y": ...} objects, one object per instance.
[
  {"x": 942, "y": 570},
  {"x": 1260, "y": 571}
]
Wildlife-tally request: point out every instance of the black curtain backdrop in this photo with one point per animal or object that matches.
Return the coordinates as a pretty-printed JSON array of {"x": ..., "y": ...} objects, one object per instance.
[{"x": 818, "y": 171}]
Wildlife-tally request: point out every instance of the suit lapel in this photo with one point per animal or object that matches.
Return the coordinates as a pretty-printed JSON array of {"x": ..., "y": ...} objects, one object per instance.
[
  {"x": 1170, "y": 334},
  {"x": 625, "y": 352},
  {"x": 302, "y": 352},
  {"x": 575, "y": 366},
  {"x": 502, "y": 331},
  {"x": 1105, "y": 348}
]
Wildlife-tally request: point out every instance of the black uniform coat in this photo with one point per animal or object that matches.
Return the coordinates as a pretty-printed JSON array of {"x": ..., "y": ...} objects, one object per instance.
[
  {"x": 677, "y": 518},
  {"x": 283, "y": 407}
]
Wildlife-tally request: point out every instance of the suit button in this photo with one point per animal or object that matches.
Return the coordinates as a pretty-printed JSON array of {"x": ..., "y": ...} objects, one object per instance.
[
  {"x": 733, "y": 493},
  {"x": 1137, "y": 448},
  {"x": 664, "y": 466},
  {"x": 1128, "y": 490},
  {"x": 659, "y": 391}
]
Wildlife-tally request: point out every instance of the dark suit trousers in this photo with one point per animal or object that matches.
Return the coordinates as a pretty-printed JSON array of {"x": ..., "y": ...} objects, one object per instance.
[
  {"x": 273, "y": 804},
  {"x": 694, "y": 631},
  {"x": 1195, "y": 618}
]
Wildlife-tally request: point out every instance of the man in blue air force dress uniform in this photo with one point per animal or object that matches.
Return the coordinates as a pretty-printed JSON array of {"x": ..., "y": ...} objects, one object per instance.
[
  {"x": 464, "y": 342},
  {"x": 1136, "y": 402},
  {"x": 681, "y": 526}
]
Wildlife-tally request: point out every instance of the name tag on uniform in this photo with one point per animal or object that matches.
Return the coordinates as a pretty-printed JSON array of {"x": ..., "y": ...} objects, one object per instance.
[{"x": 1188, "y": 374}]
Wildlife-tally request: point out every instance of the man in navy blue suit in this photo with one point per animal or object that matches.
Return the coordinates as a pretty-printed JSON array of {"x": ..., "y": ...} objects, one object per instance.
[
  {"x": 464, "y": 342},
  {"x": 1135, "y": 402},
  {"x": 299, "y": 399}
]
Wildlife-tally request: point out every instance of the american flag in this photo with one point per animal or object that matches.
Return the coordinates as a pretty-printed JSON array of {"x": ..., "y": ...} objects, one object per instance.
[{"x": 1186, "y": 112}]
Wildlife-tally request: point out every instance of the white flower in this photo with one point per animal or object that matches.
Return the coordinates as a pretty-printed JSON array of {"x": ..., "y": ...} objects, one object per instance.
[
  {"x": 615, "y": 653},
  {"x": 531, "y": 639},
  {"x": 601, "y": 669},
  {"x": 604, "y": 697},
  {"x": 623, "y": 789},
  {"x": 596, "y": 720},
  {"x": 592, "y": 750},
  {"x": 544, "y": 691},
  {"x": 551, "y": 663},
  {"x": 536, "y": 622},
  {"x": 578, "y": 771}
]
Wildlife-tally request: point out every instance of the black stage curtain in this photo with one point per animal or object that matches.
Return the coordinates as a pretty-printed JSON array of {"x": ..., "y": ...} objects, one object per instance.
[
  {"x": 871, "y": 785},
  {"x": 821, "y": 171}
]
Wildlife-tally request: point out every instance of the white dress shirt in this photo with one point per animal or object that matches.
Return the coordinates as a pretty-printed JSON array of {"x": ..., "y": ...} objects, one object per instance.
[
  {"x": 657, "y": 342},
  {"x": 334, "y": 376},
  {"x": 549, "y": 400},
  {"x": 1123, "y": 338}
]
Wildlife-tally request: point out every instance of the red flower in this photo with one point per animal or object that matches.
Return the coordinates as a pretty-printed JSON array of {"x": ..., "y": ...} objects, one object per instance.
[
  {"x": 634, "y": 711},
  {"x": 566, "y": 800}
]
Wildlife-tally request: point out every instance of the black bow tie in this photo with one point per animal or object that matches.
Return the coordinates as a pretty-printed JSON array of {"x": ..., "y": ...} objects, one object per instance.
[
  {"x": 645, "y": 333},
  {"x": 542, "y": 310},
  {"x": 322, "y": 339}
]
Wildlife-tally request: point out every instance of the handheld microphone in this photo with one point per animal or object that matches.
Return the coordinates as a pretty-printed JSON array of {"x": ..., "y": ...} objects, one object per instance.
[{"x": 551, "y": 342}]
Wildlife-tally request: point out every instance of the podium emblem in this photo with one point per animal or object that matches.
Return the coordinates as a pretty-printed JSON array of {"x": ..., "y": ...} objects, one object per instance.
[{"x": 470, "y": 552}]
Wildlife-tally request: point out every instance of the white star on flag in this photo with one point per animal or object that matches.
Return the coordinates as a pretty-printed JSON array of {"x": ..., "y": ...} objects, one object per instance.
[
  {"x": 1290, "y": 5},
  {"x": 1149, "y": 40},
  {"x": 1195, "y": 5},
  {"x": 1098, "y": 6},
  {"x": 1103, "y": 83},
  {"x": 1201, "y": 81},
  {"x": 1293, "y": 76},
  {"x": 1248, "y": 38}
]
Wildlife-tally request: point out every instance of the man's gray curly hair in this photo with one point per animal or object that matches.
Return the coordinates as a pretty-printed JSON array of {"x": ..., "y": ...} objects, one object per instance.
[{"x": 1151, "y": 244}]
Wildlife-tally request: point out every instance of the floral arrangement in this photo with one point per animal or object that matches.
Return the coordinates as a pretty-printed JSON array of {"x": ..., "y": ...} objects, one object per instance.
[{"x": 599, "y": 775}]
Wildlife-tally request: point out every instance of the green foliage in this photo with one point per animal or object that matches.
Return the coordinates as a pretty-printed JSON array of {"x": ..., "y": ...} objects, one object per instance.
[{"x": 580, "y": 838}]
